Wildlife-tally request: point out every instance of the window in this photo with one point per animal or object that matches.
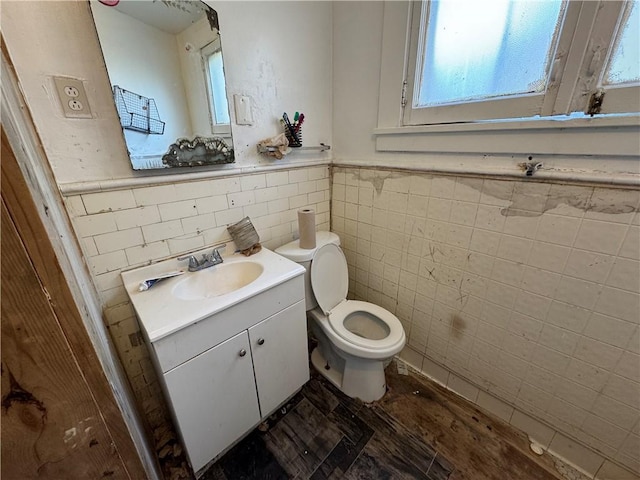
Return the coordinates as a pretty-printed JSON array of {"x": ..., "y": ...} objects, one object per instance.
[
  {"x": 513, "y": 59},
  {"x": 622, "y": 68},
  {"x": 214, "y": 79}
]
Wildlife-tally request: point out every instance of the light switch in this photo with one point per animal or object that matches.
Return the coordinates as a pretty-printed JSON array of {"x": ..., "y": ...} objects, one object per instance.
[{"x": 243, "y": 110}]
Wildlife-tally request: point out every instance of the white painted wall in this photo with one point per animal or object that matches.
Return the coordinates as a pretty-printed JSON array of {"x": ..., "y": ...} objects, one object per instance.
[
  {"x": 277, "y": 53},
  {"x": 58, "y": 38},
  {"x": 356, "y": 74}
]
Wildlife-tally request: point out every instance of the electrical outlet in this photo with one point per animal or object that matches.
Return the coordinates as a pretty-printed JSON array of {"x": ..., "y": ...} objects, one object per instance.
[
  {"x": 71, "y": 91},
  {"x": 73, "y": 98}
]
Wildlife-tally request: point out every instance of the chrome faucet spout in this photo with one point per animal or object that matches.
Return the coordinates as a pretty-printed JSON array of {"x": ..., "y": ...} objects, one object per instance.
[
  {"x": 208, "y": 260},
  {"x": 193, "y": 262}
]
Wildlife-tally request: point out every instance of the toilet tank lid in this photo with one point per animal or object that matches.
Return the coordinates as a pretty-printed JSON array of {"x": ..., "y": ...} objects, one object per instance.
[{"x": 292, "y": 250}]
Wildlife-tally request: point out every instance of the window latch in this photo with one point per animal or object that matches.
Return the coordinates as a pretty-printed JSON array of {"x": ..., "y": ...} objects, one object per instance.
[
  {"x": 532, "y": 167},
  {"x": 595, "y": 102}
]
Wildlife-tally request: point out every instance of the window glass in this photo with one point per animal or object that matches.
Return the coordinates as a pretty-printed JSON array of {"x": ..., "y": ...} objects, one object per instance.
[
  {"x": 625, "y": 63},
  {"x": 217, "y": 85},
  {"x": 476, "y": 50}
]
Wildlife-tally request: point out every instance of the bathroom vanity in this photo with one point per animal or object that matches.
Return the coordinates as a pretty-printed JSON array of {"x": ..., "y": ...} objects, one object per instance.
[{"x": 226, "y": 360}]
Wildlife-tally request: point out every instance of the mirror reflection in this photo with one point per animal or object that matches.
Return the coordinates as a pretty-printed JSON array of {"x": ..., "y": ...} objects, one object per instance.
[{"x": 164, "y": 60}]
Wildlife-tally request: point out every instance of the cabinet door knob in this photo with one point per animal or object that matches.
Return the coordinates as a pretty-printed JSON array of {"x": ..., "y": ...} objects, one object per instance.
[
  {"x": 261, "y": 341},
  {"x": 242, "y": 352}
]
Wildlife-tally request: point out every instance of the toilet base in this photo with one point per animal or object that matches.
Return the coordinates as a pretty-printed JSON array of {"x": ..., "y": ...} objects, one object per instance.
[
  {"x": 361, "y": 378},
  {"x": 319, "y": 363}
]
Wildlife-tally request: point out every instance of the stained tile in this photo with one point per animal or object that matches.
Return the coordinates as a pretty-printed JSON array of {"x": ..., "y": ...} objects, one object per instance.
[
  {"x": 340, "y": 459},
  {"x": 320, "y": 397},
  {"x": 352, "y": 425},
  {"x": 417, "y": 431},
  {"x": 303, "y": 439},
  {"x": 249, "y": 459}
]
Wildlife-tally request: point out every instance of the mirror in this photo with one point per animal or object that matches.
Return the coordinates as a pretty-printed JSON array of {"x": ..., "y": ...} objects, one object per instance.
[{"x": 164, "y": 60}]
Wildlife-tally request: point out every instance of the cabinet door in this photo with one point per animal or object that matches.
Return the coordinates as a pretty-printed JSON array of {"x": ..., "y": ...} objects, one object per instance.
[
  {"x": 280, "y": 356},
  {"x": 214, "y": 398}
]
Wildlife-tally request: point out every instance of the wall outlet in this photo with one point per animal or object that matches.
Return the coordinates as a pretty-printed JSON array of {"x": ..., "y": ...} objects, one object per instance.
[{"x": 73, "y": 98}]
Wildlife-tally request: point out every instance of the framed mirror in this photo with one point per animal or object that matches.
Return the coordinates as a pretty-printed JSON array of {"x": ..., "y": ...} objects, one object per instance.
[{"x": 164, "y": 60}]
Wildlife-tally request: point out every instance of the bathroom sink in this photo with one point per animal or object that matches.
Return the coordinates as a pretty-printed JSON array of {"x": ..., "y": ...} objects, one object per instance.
[
  {"x": 178, "y": 302},
  {"x": 218, "y": 280}
]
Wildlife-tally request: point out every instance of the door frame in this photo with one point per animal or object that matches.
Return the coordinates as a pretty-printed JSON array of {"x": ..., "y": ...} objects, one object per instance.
[{"x": 46, "y": 202}]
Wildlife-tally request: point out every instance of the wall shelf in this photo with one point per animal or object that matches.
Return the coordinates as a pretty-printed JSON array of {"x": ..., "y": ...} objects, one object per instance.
[{"x": 322, "y": 148}]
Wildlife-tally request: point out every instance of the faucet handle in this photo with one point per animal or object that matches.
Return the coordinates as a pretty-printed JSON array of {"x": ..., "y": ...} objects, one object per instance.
[
  {"x": 215, "y": 257},
  {"x": 193, "y": 262}
]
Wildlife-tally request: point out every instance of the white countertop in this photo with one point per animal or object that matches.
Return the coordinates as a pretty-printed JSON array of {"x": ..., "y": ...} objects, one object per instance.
[{"x": 161, "y": 313}]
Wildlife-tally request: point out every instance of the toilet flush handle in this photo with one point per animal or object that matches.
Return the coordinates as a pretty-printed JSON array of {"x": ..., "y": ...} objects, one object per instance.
[{"x": 261, "y": 341}]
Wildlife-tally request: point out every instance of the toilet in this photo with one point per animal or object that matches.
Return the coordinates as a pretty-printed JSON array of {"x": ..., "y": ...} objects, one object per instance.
[{"x": 356, "y": 340}]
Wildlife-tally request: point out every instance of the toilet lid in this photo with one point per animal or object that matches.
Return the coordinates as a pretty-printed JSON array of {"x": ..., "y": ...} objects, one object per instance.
[{"x": 329, "y": 277}]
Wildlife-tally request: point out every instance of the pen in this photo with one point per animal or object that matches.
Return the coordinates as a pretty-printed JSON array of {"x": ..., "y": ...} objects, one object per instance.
[{"x": 299, "y": 123}]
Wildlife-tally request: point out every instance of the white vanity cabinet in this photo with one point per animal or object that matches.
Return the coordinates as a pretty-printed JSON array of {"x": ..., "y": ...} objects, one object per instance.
[
  {"x": 280, "y": 356},
  {"x": 220, "y": 393},
  {"x": 213, "y": 397}
]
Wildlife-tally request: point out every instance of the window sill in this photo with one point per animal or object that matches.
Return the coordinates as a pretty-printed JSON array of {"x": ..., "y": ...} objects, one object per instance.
[{"x": 608, "y": 137}]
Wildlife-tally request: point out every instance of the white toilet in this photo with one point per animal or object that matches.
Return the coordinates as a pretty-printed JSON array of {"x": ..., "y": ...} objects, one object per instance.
[{"x": 355, "y": 339}]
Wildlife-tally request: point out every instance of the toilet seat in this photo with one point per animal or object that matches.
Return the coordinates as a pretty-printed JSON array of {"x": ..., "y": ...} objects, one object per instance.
[
  {"x": 330, "y": 283},
  {"x": 338, "y": 315}
]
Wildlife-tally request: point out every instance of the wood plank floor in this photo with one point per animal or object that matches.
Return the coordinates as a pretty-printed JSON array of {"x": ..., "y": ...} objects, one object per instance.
[{"x": 419, "y": 430}]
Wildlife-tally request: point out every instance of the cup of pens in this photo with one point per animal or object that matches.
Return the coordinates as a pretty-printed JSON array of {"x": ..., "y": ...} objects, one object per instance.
[{"x": 293, "y": 130}]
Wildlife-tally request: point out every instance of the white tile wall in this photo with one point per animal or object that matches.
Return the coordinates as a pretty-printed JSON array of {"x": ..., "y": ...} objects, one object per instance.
[
  {"x": 128, "y": 228},
  {"x": 510, "y": 288}
]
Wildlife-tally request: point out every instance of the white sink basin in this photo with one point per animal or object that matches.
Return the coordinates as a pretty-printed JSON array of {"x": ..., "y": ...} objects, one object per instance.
[
  {"x": 178, "y": 302},
  {"x": 217, "y": 280}
]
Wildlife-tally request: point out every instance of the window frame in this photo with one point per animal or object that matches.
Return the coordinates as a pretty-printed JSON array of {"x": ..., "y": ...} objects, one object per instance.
[
  {"x": 606, "y": 136},
  {"x": 222, "y": 129},
  {"x": 594, "y": 22},
  {"x": 619, "y": 98},
  {"x": 513, "y": 106}
]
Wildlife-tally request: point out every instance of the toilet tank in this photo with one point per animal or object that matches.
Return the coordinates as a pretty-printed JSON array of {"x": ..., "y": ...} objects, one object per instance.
[{"x": 304, "y": 257}]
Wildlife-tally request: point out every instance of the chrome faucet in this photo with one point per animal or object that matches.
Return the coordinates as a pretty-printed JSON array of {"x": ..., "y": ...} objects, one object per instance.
[{"x": 214, "y": 258}]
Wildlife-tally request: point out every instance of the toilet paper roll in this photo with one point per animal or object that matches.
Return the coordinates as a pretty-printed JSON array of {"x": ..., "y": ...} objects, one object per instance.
[{"x": 307, "y": 228}]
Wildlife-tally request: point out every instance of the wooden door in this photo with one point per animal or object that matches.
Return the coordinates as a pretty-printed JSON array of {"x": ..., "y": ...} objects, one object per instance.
[{"x": 58, "y": 414}]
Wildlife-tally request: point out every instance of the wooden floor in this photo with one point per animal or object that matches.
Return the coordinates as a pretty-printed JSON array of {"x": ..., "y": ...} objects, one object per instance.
[{"x": 417, "y": 431}]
